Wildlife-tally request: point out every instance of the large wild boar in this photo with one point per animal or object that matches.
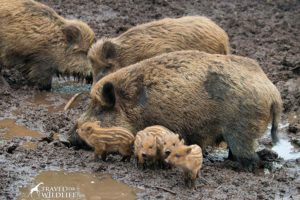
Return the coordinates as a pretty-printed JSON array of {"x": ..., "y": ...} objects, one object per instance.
[
  {"x": 203, "y": 97},
  {"x": 40, "y": 43},
  {"x": 154, "y": 38}
]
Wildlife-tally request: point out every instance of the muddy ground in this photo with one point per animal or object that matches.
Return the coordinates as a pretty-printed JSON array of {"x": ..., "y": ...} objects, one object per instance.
[{"x": 268, "y": 31}]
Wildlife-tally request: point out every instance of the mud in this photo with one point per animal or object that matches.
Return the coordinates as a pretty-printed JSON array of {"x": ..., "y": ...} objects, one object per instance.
[
  {"x": 76, "y": 185},
  {"x": 9, "y": 129},
  {"x": 267, "y": 31}
]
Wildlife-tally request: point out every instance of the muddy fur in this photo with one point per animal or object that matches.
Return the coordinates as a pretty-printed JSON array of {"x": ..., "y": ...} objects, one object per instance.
[
  {"x": 201, "y": 96},
  {"x": 38, "y": 42},
  {"x": 154, "y": 38}
]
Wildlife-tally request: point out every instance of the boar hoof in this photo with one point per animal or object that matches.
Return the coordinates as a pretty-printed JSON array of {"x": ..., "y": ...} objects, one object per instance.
[
  {"x": 231, "y": 156},
  {"x": 96, "y": 158},
  {"x": 250, "y": 164},
  {"x": 103, "y": 157},
  {"x": 45, "y": 87},
  {"x": 126, "y": 159}
]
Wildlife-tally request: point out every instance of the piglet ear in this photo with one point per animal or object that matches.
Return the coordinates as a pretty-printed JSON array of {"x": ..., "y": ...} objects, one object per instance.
[
  {"x": 72, "y": 34},
  {"x": 158, "y": 141},
  {"x": 108, "y": 94},
  {"x": 188, "y": 150},
  {"x": 182, "y": 141}
]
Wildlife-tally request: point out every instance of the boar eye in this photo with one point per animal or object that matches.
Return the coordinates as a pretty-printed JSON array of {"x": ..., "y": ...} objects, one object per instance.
[
  {"x": 177, "y": 155},
  {"x": 174, "y": 144},
  {"x": 150, "y": 147},
  {"x": 165, "y": 143}
]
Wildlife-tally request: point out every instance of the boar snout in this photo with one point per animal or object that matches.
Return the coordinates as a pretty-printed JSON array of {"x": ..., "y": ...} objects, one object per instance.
[
  {"x": 167, "y": 152},
  {"x": 75, "y": 140},
  {"x": 144, "y": 155}
]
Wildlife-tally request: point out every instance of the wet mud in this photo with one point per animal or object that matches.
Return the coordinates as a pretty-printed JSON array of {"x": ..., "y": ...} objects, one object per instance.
[
  {"x": 76, "y": 185},
  {"x": 267, "y": 31}
]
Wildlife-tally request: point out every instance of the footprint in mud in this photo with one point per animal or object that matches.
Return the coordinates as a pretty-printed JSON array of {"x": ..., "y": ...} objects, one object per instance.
[{"x": 76, "y": 185}]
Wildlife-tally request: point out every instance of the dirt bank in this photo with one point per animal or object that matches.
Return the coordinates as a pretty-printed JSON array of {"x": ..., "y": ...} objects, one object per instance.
[{"x": 267, "y": 31}]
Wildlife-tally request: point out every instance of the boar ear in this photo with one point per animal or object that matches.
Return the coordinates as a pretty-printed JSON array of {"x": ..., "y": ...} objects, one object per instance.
[
  {"x": 72, "y": 33},
  {"x": 109, "y": 50},
  {"x": 108, "y": 94},
  {"x": 188, "y": 150}
]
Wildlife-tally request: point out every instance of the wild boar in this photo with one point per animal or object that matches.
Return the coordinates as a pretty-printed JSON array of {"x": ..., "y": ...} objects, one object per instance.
[
  {"x": 39, "y": 43},
  {"x": 168, "y": 143},
  {"x": 107, "y": 140},
  {"x": 154, "y": 38},
  {"x": 189, "y": 159},
  {"x": 203, "y": 97},
  {"x": 145, "y": 149},
  {"x": 148, "y": 145}
]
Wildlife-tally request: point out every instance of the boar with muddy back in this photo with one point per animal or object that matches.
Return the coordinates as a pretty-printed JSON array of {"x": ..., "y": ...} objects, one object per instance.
[
  {"x": 154, "y": 38},
  {"x": 151, "y": 143},
  {"x": 39, "y": 43},
  {"x": 189, "y": 159},
  {"x": 203, "y": 97},
  {"x": 108, "y": 140}
]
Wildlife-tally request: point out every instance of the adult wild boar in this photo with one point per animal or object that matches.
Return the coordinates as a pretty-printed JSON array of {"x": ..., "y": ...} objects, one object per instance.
[
  {"x": 154, "y": 38},
  {"x": 40, "y": 43},
  {"x": 201, "y": 96}
]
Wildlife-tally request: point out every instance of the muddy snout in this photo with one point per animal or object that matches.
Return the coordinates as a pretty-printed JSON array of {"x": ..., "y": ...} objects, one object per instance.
[
  {"x": 75, "y": 140},
  {"x": 167, "y": 153}
]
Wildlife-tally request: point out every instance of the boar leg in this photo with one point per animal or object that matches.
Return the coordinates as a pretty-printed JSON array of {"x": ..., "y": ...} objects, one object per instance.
[
  {"x": 126, "y": 158},
  {"x": 125, "y": 151},
  {"x": 99, "y": 150},
  {"x": 186, "y": 178},
  {"x": 231, "y": 156},
  {"x": 3, "y": 81},
  {"x": 242, "y": 148}
]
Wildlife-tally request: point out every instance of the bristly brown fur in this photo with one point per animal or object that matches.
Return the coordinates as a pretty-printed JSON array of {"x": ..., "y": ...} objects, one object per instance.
[
  {"x": 40, "y": 43},
  {"x": 154, "y": 38},
  {"x": 201, "y": 96}
]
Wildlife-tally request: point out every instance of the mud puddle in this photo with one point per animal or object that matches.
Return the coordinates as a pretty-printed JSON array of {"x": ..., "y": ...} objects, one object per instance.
[
  {"x": 76, "y": 185},
  {"x": 52, "y": 102},
  {"x": 9, "y": 129},
  {"x": 286, "y": 150}
]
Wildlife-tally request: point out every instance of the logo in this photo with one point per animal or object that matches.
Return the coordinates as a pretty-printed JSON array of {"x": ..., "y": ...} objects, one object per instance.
[
  {"x": 44, "y": 192},
  {"x": 35, "y": 189}
]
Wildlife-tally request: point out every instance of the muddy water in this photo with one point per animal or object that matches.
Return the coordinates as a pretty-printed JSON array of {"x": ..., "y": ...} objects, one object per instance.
[
  {"x": 49, "y": 101},
  {"x": 9, "y": 129},
  {"x": 286, "y": 150},
  {"x": 76, "y": 185}
]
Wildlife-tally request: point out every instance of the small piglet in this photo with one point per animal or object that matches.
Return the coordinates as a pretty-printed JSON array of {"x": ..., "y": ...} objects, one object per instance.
[
  {"x": 188, "y": 158},
  {"x": 151, "y": 144},
  {"x": 107, "y": 140}
]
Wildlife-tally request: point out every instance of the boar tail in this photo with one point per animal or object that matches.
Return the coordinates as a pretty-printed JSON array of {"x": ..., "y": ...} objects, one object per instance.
[{"x": 275, "y": 112}]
